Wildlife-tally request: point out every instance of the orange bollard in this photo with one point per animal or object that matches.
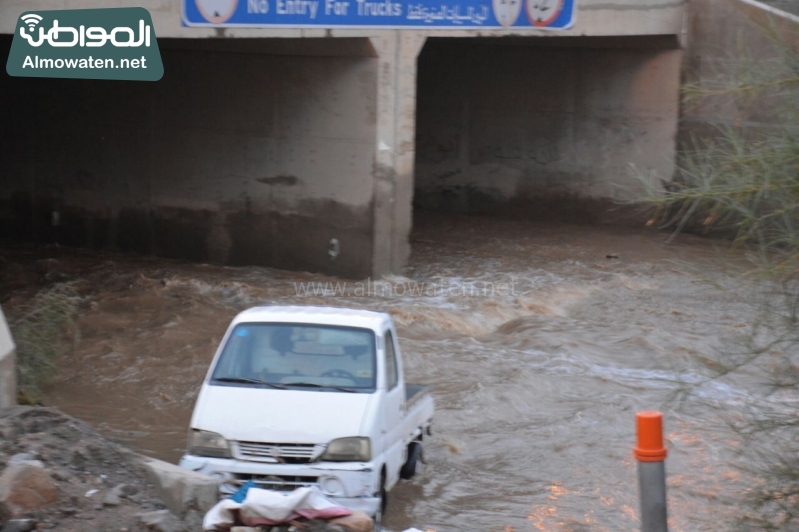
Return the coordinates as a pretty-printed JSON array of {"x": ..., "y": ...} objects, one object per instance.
[
  {"x": 650, "y": 437},
  {"x": 651, "y": 454}
]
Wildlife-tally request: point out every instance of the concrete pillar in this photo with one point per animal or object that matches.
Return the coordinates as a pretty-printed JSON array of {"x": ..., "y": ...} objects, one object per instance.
[
  {"x": 396, "y": 129},
  {"x": 8, "y": 368}
]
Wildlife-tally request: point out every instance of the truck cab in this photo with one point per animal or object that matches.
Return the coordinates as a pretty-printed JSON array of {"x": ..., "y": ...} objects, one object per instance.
[{"x": 299, "y": 396}]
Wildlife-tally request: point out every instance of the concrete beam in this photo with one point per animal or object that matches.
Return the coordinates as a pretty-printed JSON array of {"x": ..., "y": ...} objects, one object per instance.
[
  {"x": 594, "y": 18},
  {"x": 396, "y": 129}
]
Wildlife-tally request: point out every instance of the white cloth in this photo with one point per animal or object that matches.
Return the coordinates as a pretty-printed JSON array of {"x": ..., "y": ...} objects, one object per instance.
[{"x": 273, "y": 505}]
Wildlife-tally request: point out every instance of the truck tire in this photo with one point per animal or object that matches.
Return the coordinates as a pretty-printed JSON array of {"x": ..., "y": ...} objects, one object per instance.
[
  {"x": 414, "y": 456},
  {"x": 381, "y": 511}
]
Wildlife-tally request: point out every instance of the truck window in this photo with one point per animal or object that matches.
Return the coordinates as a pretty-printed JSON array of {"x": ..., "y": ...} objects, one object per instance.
[
  {"x": 298, "y": 356},
  {"x": 392, "y": 375}
]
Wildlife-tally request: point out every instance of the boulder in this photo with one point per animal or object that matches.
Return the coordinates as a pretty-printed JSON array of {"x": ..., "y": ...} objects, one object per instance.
[
  {"x": 161, "y": 521},
  {"x": 21, "y": 457},
  {"x": 19, "y": 525},
  {"x": 356, "y": 522},
  {"x": 25, "y": 485},
  {"x": 182, "y": 490}
]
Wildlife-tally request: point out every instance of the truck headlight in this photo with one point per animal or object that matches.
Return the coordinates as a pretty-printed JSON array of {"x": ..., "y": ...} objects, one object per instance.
[
  {"x": 348, "y": 450},
  {"x": 204, "y": 443}
]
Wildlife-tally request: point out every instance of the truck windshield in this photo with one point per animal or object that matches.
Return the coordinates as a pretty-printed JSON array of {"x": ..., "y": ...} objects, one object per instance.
[{"x": 298, "y": 356}]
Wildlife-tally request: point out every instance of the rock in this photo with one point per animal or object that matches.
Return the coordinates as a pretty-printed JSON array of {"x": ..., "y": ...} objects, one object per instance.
[
  {"x": 21, "y": 457},
  {"x": 161, "y": 521},
  {"x": 182, "y": 490},
  {"x": 61, "y": 474},
  {"x": 25, "y": 485},
  {"x": 318, "y": 525},
  {"x": 356, "y": 522},
  {"x": 5, "y": 513},
  {"x": 114, "y": 496},
  {"x": 19, "y": 525},
  {"x": 193, "y": 520}
]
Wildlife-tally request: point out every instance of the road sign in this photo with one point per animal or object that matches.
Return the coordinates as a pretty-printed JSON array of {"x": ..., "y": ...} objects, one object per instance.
[{"x": 387, "y": 14}]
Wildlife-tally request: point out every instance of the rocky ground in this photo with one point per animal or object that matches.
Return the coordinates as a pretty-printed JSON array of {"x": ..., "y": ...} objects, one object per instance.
[{"x": 58, "y": 473}]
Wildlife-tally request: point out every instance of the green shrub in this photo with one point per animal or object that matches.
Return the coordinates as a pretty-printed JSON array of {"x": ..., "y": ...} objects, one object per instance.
[
  {"x": 40, "y": 331},
  {"x": 744, "y": 182}
]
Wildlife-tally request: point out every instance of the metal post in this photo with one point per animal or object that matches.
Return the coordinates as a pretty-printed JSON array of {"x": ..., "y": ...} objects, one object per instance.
[{"x": 651, "y": 455}]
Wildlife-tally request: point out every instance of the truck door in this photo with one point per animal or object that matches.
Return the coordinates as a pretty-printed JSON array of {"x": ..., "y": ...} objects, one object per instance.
[{"x": 394, "y": 412}]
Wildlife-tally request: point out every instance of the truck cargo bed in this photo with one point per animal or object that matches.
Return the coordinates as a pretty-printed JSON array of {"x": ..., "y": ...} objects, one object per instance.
[{"x": 414, "y": 391}]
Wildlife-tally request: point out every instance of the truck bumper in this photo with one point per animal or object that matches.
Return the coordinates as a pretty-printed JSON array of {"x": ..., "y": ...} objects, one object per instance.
[{"x": 349, "y": 484}]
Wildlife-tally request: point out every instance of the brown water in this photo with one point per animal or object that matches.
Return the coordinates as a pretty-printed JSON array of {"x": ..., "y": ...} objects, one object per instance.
[{"x": 540, "y": 347}]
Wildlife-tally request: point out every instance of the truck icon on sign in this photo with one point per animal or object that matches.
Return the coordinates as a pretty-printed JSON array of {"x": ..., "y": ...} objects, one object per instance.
[{"x": 542, "y": 13}]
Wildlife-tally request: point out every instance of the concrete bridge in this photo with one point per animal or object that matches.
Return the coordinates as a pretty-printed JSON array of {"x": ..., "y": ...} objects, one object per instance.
[{"x": 307, "y": 148}]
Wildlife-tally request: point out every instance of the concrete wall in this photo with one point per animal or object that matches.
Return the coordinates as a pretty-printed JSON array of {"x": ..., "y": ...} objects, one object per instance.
[
  {"x": 239, "y": 155},
  {"x": 727, "y": 38},
  {"x": 8, "y": 369},
  {"x": 536, "y": 126}
]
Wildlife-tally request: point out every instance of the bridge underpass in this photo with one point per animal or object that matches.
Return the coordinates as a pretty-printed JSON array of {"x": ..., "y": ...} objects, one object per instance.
[
  {"x": 297, "y": 148},
  {"x": 236, "y": 156},
  {"x": 544, "y": 128}
]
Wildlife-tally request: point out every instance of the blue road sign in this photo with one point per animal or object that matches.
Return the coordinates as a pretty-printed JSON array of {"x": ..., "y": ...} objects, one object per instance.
[{"x": 387, "y": 14}]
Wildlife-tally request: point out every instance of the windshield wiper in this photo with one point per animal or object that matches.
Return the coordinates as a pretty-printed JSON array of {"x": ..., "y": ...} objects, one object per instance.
[
  {"x": 250, "y": 381},
  {"x": 314, "y": 385}
]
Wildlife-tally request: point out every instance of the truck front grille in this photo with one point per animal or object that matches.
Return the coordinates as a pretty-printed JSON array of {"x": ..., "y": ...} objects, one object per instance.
[
  {"x": 287, "y": 453},
  {"x": 280, "y": 482}
]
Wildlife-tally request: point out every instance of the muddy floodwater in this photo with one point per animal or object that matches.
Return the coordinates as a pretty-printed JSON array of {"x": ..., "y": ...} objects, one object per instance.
[{"x": 541, "y": 342}]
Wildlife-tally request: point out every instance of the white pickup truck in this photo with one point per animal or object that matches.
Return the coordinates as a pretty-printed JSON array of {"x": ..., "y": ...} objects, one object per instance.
[{"x": 300, "y": 396}]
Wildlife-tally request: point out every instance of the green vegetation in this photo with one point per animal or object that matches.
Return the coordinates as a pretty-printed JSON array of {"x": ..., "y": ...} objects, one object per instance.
[
  {"x": 743, "y": 182},
  {"x": 40, "y": 331}
]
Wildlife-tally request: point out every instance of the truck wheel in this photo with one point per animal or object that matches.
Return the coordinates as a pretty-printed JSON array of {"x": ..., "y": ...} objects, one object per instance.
[
  {"x": 414, "y": 455},
  {"x": 381, "y": 510}
]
